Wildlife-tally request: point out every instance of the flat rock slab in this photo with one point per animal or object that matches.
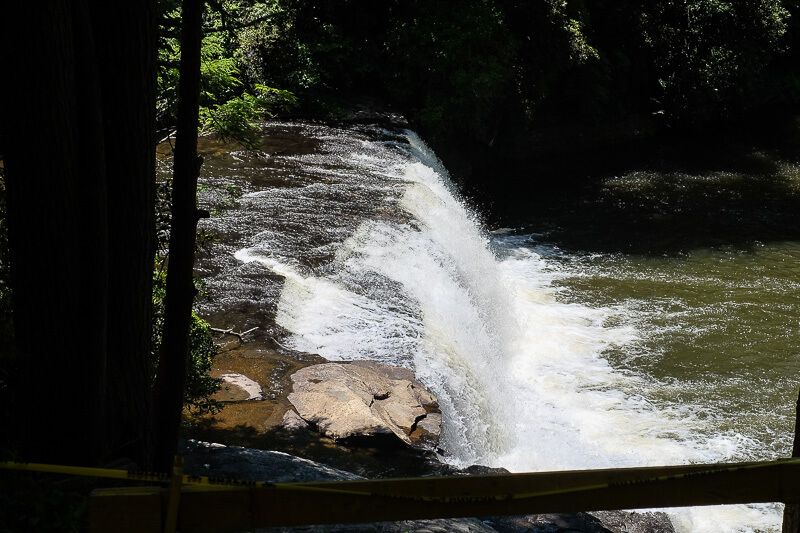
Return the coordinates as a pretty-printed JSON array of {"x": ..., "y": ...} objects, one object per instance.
[
  {"x": 366, "y": 400},
  {"x": 237, "y": 388}
]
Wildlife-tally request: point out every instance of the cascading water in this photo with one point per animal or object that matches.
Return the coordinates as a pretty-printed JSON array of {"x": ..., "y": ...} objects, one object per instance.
[{"x": 392, "y": 266}]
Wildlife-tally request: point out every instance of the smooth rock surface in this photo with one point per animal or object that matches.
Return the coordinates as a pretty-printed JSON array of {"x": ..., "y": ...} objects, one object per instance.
[
  {"x": 246, "y": 387},
  {"x": 292, "y": 421},
  {"x": 366, "y": 400}
]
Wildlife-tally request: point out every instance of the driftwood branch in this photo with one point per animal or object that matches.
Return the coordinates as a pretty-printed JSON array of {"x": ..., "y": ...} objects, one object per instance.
[
  {"x": 279, "y": 345},
  {"x": 230, "y": 331}
]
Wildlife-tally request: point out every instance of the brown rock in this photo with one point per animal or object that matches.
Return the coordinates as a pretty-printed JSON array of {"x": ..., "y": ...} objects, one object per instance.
[
  {"x": 366, "y": 400},
  {"x": 427, "y": 431},
  {"x": 292, "y": 421}
]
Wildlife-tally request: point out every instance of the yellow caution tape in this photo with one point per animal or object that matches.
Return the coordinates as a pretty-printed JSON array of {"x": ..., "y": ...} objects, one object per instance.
[{"x": 171, "y": 521}]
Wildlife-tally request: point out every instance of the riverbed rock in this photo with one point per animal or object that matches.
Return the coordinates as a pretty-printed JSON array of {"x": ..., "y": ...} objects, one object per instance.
[
  {"x": 366, "y": 401},
  {"x": 595, "y": 522},
  {"x": 238, "y": 387},
  {"x": 293, "y": 422},
  {"x": 428, "y": 431},
  {"x": 628, "y": 522}
]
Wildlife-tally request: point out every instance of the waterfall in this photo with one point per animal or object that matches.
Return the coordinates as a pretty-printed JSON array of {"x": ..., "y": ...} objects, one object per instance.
[{"x": 416, "y": 280}]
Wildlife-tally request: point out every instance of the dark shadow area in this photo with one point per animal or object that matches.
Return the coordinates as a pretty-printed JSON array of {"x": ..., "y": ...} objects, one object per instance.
[
  {"x": 663, "y": 196},
  {"x": 371, "y": 459}
]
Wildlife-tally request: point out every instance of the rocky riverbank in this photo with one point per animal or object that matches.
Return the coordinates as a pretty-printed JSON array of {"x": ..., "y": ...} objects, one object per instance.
[{"x": 371, "y": 419}]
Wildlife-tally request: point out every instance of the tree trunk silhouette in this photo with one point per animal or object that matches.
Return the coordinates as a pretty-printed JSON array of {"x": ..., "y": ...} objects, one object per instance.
[
  {"x": 174, "y": 355},
  {"x": 79, "y": 118},
  {"x": 128, "y": 33},
  {"x": 57, "y": 232}
]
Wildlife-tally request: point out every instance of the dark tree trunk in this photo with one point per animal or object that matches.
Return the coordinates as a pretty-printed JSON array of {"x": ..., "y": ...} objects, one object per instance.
[
  {"x": 127, "y": 61},
  {"x": 174, "y": 355},
  {"x": 79, "y": 122},
  {"x": 56, "y": 217}
]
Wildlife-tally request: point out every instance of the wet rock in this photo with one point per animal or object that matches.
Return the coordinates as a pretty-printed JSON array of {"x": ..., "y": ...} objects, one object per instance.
[
  {"x": 248, "y": 464},
  {"x": 548, "y": 523},
  {"x": 481, "y": 470},
  {"x": 424, "y": 397},
  {"x": 293, "y": 422},
  {"x": 366, "y": 401},
  {"x": 226, "y": 345},
  {"x": 238, "y": 387},
  {"x": 627, "y": 522},
  {"x": 595, "y": 522},
  {"x": 427, "y": 431}
]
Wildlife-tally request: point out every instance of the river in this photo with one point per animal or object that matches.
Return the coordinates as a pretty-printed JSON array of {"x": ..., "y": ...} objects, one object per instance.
[{"x": 353, "y": 243}]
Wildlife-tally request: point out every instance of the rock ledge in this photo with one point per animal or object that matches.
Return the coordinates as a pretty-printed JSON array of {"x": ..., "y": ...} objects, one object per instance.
[{"x": 366, "y": 401}]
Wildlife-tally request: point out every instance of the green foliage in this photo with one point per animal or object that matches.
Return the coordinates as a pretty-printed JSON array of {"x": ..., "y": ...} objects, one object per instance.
[
  {"x": 274, "y": 53},
  {"x": 199, "y": 385},
  {"x": 230, "y": 105},
  {"x": 237, "y": 118},
  {"x": 234, "y": 118},
  {"x": 453, "y": 59},
  {"x": 466, "y": 73},
  {"x": 710, "y": 54},
  {"x": 219, "y": 74}
]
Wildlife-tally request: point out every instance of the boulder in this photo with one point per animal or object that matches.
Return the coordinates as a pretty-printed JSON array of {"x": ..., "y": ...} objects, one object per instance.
[
  {"x": 237, "y": 388},
  {"x": 366, "y": 400},
  {"x": 292, "y": 421},
  {"x": 249, "y": 386},
  {"x": 248, "y": 464}
]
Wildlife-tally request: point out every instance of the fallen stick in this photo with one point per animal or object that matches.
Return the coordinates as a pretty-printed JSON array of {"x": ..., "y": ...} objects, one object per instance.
[
  {"x": 230, "y": 331},
  {"x": 279, "y": 345}
]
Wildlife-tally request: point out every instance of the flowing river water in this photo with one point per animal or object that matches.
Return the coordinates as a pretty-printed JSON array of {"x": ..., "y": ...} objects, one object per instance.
[{"x": 354, "y": 244}]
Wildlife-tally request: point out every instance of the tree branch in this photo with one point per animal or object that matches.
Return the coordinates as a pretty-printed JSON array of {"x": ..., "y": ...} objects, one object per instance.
[{"x": 239, "y": 335}]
